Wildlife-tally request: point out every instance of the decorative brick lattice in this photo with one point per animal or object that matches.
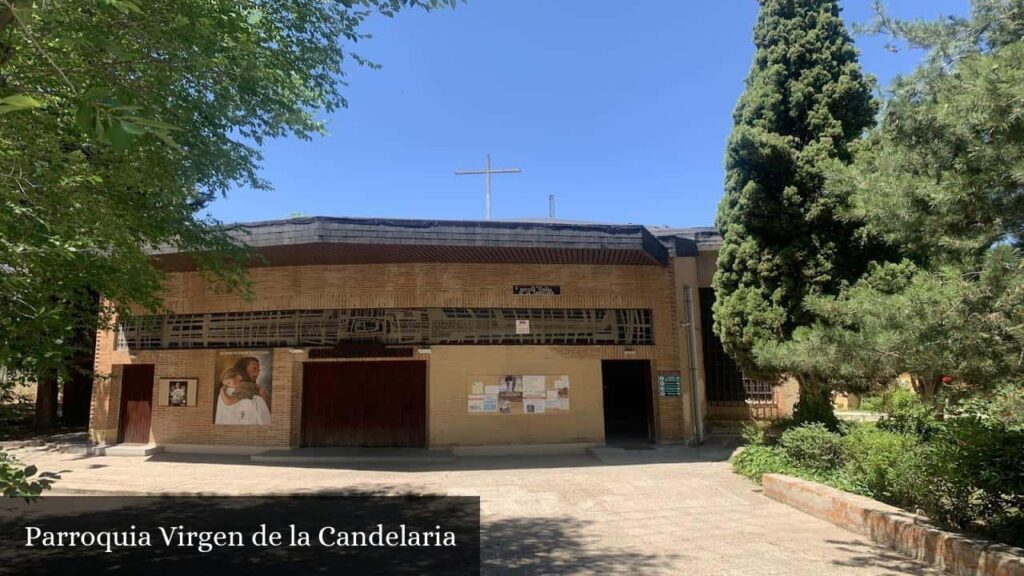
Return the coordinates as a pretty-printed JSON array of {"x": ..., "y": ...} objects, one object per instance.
[{"x": 389, "y": 326}]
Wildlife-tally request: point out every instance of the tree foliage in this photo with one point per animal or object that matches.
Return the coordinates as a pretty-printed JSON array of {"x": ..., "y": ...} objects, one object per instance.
[
  {"x": 806, "y": 100},
  {"x": 25, "y": 482},
  {"x": 120, "y": 121},
  {"x": 941, "y": 181}
]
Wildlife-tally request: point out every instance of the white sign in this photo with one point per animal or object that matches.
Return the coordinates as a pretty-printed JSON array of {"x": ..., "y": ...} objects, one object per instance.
[
  {"x": 533, "y": 386},
  {"x": 522, "y": 326}
]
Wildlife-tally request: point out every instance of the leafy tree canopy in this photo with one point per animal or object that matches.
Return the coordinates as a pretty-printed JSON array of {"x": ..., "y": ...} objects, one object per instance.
[{"x": 120, "y": 121}]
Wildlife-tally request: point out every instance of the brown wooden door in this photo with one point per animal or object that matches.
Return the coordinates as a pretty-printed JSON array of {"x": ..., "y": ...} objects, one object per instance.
[
  {"x": 136, "y": 403},
  {"x": 379, "y": 403}
]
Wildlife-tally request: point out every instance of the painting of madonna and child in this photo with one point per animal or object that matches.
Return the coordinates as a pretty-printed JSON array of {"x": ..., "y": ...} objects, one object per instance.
[{"x": 242, "y": 389}]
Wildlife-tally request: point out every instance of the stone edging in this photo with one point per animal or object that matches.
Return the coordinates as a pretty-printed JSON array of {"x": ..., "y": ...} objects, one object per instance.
[{"x": 896, "y": 528}]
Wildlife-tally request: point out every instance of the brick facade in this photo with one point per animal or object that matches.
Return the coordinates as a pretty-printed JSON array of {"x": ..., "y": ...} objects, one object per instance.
[{"x": 393, "y": 285}]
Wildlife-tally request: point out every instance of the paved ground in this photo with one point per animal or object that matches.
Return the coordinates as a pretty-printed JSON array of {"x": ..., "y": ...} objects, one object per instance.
[{"x": 639, "y": 512}]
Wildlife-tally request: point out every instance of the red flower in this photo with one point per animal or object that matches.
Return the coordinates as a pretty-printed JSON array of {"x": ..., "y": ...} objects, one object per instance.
[{"x": 947, "y": 379}]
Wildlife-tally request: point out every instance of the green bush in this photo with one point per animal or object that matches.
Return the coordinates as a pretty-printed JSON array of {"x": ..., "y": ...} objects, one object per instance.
[
  {"x": 882, "y": 464},
  {"x": 975, "y": 468},
  {"x": 757, "y": 460},
  {"x": 905, "y": 413},
  {"x": 965, "y": 471},
  {"x": 766, "y": 433},
  {"x": 815, "y": 406},
  {"x": 1004, "y": 403},
  {"x": 812, "y": 446},
  {"x": 871, "y": 403}
]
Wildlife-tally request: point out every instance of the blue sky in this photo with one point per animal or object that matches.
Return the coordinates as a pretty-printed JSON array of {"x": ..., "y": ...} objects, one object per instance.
[{"x": 619, "y": 109}]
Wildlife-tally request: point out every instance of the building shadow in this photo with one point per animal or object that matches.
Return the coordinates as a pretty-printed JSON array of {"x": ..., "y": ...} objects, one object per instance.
[{"x": 610, "y": 456}]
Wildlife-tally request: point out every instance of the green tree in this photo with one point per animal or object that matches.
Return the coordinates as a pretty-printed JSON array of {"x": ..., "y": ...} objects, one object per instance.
[
  {"x": 119, "y": 122},
  {"x": 941, "y": 180},
  {"x": 806, "y": 100}
]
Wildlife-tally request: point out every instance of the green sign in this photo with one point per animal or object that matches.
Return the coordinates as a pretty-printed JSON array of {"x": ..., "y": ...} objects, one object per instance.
[{"x": 669, "y": 384}]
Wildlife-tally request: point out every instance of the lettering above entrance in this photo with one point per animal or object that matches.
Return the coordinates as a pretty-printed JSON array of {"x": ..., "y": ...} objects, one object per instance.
[
  {"x": 536, "y": 290},
  {"x": 388, "y": 326}
]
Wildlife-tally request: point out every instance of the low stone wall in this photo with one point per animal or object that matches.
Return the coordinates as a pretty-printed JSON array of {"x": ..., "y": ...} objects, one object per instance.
[{"x": 896, "y": 528}]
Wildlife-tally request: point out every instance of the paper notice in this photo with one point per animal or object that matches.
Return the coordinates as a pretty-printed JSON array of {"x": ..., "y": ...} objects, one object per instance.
[
  {"x": 478, "y": 388},
  {"x": 533, "y": 385},
  {"x": 482, "y": 403},
  {"x": 476, "y": 403},
  {"x": 533, "y": 405}
]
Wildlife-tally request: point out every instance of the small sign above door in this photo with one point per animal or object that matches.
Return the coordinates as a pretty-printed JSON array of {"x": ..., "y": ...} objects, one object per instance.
[{"x": 536, "y": 290}]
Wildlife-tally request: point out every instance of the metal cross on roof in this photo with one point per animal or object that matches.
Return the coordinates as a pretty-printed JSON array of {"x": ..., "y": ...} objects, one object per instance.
[{"x": 487, "y": 171}]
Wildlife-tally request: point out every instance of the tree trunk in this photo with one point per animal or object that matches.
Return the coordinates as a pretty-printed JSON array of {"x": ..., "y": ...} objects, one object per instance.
[
  {"x": 46, "y": 402},
  {"x": 815, "y": 405},
  {"x": 78, "y": 386}
]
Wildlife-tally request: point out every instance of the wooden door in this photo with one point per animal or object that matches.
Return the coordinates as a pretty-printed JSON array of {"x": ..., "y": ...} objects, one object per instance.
[
  {"x": 380, "y": 403},
  {"x": 136, "y": 403}
]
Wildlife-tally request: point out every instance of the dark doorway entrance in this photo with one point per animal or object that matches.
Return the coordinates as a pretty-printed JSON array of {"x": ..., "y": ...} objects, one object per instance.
[
  {"x": 136, "y": 403},
  {"x": 379, "y": 403},
  {"x": 628, "y": 410}
]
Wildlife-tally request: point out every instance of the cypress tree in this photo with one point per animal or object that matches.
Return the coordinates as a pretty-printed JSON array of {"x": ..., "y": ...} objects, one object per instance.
[{"x": 806, "y": 100}]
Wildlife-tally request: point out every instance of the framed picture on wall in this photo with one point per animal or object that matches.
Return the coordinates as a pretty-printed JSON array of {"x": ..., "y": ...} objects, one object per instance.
[
  {"x": 178, "y": 392},
  {"x": 243, "y": 388}
]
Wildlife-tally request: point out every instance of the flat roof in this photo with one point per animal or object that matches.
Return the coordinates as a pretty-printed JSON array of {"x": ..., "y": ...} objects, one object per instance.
[{"x": 336, "y": 240}]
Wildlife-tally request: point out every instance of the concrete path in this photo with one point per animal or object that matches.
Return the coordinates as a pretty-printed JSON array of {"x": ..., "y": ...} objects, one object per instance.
[{"x": 679, "y": 511}]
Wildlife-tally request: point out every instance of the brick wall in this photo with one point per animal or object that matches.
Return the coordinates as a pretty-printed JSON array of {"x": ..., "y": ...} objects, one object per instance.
[{"x": 411, "y": 285}]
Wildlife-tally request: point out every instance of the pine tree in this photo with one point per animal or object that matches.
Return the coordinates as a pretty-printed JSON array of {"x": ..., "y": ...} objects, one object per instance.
[
  {"x": 941, "y": 181},
  {"x": 806, "y": 100}
]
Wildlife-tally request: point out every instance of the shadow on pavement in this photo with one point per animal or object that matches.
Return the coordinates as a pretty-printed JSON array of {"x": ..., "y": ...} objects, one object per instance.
[
  {"x": 868, "y": 555},
  {"x": 605, "y": 456},
  {"x": 557, "y": 546}
]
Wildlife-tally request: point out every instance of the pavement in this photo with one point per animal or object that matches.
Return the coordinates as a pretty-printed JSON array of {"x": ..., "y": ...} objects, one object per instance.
[{"x": 665, "y": 511}]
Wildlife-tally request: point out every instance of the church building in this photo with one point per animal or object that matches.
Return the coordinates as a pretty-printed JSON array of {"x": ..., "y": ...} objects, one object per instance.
[{"x": 468, "y": 335}]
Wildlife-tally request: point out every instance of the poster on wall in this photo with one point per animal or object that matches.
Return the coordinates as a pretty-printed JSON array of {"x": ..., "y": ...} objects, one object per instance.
[
  {"x": 178, "y": 392},
  {"x": 533, "y": 405},
  {"x": 243, "y": 388},
  {"x": 534, "y": 394},
  {"x": 482, "y": 404},
  {"x": 510, "y": 394},
  {"x": 562, "y": 389},
  {"x": 533, "y": 386}
]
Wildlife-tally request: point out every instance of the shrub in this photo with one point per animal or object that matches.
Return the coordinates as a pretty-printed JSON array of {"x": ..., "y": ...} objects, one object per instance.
[
  {"x": 871, "y": 403},
  {"x": 812, "y": 446},
  {"x": 766, "y": 433},
  {"x": 883, "y": 464},
  {"x": 906, "y": 413},
  {"x": 1004, "y": 403},
  {"x": 975, "y": 468},
  {"x": 757, "y": 460},
  {"x": 815, "y": 407}
]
